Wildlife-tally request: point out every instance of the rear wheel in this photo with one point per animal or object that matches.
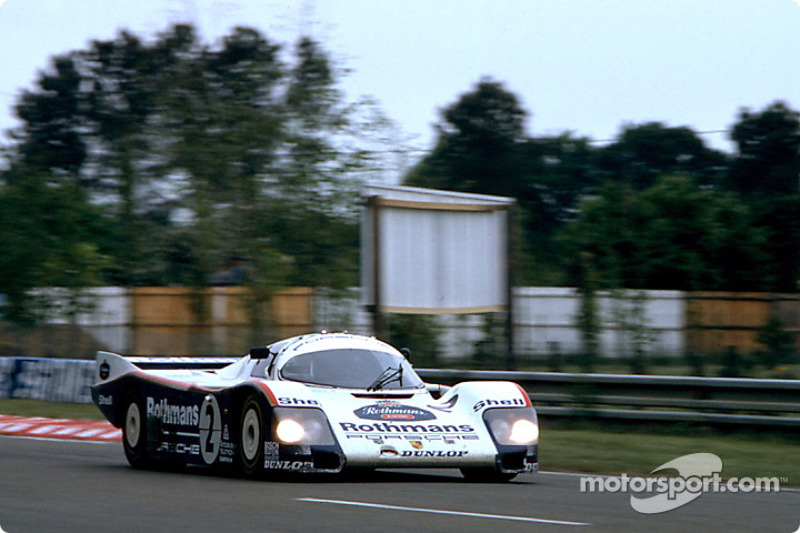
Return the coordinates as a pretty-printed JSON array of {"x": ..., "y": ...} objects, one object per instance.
[
  {"x": 134, "y": 430},
  {"x": 251, "y": 437},
  {"x": 486, "y": 475}
]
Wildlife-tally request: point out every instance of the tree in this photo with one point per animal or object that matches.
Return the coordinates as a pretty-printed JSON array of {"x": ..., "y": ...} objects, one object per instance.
[
  {"x": 193, "y": 155},
  {"x": 697, "y": 239},
  {"x": 478, "y": 145},
  {"x": 48, "y": 239},
  {"x": 768, "y": 159},
  {"x": 219, "y": 124},
  {"x": 766, "y": 173},
  {"x": 672, "y": 235},
  {"x": 482, "y": 147},
  {"x": 487, "y": 119},
  {"x": 52, "y": 138},
  {"x": 601, "y": 247},
  {"x": 645, "y": 152},
  {"x": 559, "y": 171},
  {"x": 779, "y": 219},
  {"x": 321, "y": 232}
]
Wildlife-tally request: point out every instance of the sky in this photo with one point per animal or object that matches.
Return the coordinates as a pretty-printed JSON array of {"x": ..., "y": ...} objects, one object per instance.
[{"x": 584, "y": 66}]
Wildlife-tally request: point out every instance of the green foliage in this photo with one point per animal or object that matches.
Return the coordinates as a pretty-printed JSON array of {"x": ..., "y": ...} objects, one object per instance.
[
  {"x": 645, "y": 152},
  {"x": 418, "y": 333},
  {"x": 491, "y": 350},
  {"x": 669, "y": 236},
  {"x": 768, "y": 163},
  {"x": 477, "y": 150},
  {"x": 54, "y": 122},
  {"x": 188, "y": 156},
  {"x": 159, "y": 162},
  {"x": 699, "y": 239},
  {"x": 779, "y": 344},
  {"x": 766, "y": 176},
  {"x": 588, "y": 323},
  {"x": 47, "y": 240},
  {"x": 486, "y": 119},
  {"x": 656, "y": 209}
]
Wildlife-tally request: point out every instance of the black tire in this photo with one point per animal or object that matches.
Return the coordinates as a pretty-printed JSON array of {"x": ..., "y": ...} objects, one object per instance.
[
  {"x": 486, "y": 475},
  {"x": 134, "y": 430},
  {"x": 250, "y": 451}
]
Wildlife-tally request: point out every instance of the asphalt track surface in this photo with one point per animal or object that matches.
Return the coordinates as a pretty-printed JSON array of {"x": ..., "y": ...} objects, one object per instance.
[{"x": 66, "y": 486}]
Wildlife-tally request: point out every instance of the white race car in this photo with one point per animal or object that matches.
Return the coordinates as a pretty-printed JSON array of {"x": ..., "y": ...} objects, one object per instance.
[{"x": 323, "y": 402}]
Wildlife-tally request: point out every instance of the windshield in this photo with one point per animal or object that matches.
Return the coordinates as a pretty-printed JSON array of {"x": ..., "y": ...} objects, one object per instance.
[{"x": 352, "y": 369}]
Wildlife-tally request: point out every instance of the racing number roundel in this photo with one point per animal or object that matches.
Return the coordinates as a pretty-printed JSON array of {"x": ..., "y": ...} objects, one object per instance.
[{"x": 210, "y": 429}]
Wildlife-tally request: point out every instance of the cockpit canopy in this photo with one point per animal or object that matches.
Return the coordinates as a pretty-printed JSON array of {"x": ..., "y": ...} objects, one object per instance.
[{"x": 352, "y": 368}]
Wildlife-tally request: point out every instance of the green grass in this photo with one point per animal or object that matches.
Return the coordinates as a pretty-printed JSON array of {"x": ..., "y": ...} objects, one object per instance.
[
  {"x": 74, "y": 411},
  {"x": 594, "y": 447},
  {"x": 608, "y": 452}
]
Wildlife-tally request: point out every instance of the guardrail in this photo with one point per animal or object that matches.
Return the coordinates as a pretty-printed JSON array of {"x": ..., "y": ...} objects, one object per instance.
[
  {"x": 724, "y": 401},
  {"x": 720, "y": 401}
]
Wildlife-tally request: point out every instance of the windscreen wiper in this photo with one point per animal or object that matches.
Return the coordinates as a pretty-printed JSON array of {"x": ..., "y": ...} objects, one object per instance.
[{"x": 387, "y": 376}]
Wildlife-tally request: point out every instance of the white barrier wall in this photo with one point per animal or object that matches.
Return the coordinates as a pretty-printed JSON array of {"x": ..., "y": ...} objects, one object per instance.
[
  {"x": 545, "y": 321},
  {"x": 654, "y": 321}
]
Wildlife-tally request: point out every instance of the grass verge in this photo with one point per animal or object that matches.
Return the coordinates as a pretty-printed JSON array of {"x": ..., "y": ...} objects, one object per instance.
[
  {"x": 743, "y": 454},
  {"x": 74, "y": 411},
  {"x": 591, "y": 447}
]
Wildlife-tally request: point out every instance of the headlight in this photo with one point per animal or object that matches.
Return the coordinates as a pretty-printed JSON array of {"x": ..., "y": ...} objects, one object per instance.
[
  {"x": 289, "y": 431},
  {"x": 523, "y": 431},
  {"x": 513, "y": 426},
  {"x": 301, "y": 426}
]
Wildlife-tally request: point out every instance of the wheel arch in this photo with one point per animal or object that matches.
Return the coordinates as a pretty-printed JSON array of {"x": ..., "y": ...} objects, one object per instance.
[
  {"x": 125, "y": 388},
  {"x": 249, "y": 456},
  {"x": 265, "y": 397}
]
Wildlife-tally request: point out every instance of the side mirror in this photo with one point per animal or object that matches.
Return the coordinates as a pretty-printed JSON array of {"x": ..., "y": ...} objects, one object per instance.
[
  {"x": 406, "y": 353},
  {"x": 260, "y": 352}
]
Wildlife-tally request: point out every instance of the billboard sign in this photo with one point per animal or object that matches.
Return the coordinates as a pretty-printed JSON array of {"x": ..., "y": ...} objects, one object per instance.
[{"x": 427, "y": 251}]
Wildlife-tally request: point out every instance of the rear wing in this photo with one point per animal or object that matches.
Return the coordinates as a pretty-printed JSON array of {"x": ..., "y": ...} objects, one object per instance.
[
  {"x": 181, "y": 363},
  {"x": 112, "y": 365}
]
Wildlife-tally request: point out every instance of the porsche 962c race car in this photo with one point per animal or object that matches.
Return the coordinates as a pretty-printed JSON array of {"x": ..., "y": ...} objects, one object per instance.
[{"x": 322, "y": 402}]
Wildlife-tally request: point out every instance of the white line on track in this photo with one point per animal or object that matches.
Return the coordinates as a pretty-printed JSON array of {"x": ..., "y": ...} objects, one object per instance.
[{"x": 446, "y": 512}]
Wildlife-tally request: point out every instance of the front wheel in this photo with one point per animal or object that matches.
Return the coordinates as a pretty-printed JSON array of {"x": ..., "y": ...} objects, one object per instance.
[
  {"x": 486, "y": 475},
  {"x": 251, "y": 437},
  {"x": 134, "y": 431}
]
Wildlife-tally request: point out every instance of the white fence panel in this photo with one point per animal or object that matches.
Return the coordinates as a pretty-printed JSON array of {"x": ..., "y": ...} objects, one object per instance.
[{"x": 545, "y": 322}]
